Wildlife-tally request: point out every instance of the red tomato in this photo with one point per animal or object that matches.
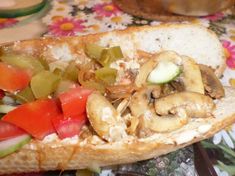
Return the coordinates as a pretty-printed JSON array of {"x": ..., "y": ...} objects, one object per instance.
[
  {"x": 2, "y": 94},
  {"x": 13, "y": 79},
  {"x": 34, "y": 117},
  {"x": 8, "y": 130},
  {"x": 68, "y": 127},
  {"x": 73, "y": 102}
]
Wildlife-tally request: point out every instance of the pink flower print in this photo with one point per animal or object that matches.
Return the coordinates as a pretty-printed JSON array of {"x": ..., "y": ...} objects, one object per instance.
[
  {"x": 214, "y": 17},
  {"x": 105, "y": 9},
  {"x": 7, "y": 22},
  {"x": 66, "y": 27},
  {"x": 229, "y": 53}
]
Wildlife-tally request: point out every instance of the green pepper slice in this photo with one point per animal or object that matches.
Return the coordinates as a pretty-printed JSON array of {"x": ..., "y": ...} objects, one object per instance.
[
  {"x": 102, "y": 55},
  {"x": 94, "y": 51},
  {"x": 44, "y": 83},
  {"x": 44, "y": 63},
  {"x": 24, "y": 62},
  {"x": 26, "y": 95},
  {"x": 71, "y": 72},
  {"x": 64, "y": 86},
  {"x": 106, "y": 74},
  {"x": 110, "y": 55}
]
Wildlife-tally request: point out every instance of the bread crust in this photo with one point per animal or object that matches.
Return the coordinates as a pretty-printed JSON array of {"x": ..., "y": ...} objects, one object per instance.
[
  {"x": 81, "y": 153},
  {"x": 147, "y": 38}
]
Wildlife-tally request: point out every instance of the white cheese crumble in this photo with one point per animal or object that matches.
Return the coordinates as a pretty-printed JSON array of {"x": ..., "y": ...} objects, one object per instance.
[
  {"x": 54, "y": 138},
  {"x": 61, "y": 52},
  {"x": 71, "y": 140},
  {"x": 50, "y": 138},
  {"x": 148, "y": 115},
  {"x": 186, "y": 136},
  {"x": 96, "y": 140},
  {"x": 106, "y": 114},
  {"x": 121, "y": 64},
  {"x": 204, "y": 128},
  {"x": 117, "y": 133}
]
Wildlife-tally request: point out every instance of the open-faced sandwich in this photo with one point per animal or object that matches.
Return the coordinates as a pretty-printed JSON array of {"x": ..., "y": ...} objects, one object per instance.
[{"x": 110, "y": 98}]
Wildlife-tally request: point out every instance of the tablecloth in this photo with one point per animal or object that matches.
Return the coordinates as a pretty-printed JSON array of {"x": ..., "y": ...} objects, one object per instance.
[{"x": 80, "y": 17}]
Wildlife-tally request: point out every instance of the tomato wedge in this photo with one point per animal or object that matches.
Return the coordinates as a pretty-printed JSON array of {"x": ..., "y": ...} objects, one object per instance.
[
  {"x": 8, "y": 130},
  {"x": 70, "y": 126},
  {"x": 13, "y": 79},
  {"x": 73, "y": 102},
  {"x": 2, "y": 94},
  {"x": 34, "y": 117}
]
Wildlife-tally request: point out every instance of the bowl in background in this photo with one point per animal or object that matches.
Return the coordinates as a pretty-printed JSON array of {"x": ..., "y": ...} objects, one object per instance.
[{"x": 185, "y": 7}]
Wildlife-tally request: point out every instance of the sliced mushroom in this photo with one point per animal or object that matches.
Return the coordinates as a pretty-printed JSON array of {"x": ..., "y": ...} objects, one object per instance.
[
  {"x": 104, "y": 118},
  {"x": 144, "y": 71},
  {"x": 177, "y": 86},
  {"x": 156, "y": 92},
  {"x": 132, "y": 123},
  {"x": 148, "y": 120},
  {"x": 195, "y": 104},
  {"x": 191, "y": 75},
  {"x": 139, "y": 103},
  {"x": 211, "y": 83}
]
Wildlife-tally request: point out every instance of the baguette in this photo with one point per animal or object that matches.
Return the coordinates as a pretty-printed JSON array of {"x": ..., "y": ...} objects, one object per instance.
[{"x": 52, "y": 153}]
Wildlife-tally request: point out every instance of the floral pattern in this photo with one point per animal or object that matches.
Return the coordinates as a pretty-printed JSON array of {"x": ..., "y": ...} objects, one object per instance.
[
  {"x": 7, "y": 22},
  {"x": 214, "y": 17},
  {"x": 105, "y": 9},
  {"x": 223, "y": 136},
  {"x": 230, "y": 53},
  {"x": 66, "y": 27}
]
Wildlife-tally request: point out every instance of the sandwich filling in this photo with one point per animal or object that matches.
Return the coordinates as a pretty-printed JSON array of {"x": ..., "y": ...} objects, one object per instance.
[{"x": 111, "y": 96}]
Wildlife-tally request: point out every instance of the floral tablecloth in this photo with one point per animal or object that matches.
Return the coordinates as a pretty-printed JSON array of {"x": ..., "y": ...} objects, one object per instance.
[{"x": 80, "y": 17}]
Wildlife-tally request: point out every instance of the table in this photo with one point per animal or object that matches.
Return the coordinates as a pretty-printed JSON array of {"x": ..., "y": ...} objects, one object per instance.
[{"x": 80, "y": 17}]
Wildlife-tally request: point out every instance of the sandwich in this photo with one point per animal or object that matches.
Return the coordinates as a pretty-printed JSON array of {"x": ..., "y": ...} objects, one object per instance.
[{"x": 110, "y": 98}]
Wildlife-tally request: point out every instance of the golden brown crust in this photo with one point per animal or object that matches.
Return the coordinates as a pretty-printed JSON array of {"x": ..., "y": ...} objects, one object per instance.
[{"x": 39, "y": 156}]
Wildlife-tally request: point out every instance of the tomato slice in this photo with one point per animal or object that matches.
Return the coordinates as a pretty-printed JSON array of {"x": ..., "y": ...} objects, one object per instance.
[
  {"x": 13, "y": 79},
  {"x": 34, "y": 117},
  {"x": 2, "y": 94},
  {"x": 70, "y": 126},
  {"x": 8, "y": 130},
  {"x": 73, "y": 102}
]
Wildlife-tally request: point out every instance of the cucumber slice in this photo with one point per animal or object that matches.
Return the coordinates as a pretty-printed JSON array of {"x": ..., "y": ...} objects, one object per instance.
[
  {"x": 24, "y": 10},
  {"x": 164, "y": 72},
  {"x": 6, "y": 108},
  {"x": 11, "y": 145}
]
